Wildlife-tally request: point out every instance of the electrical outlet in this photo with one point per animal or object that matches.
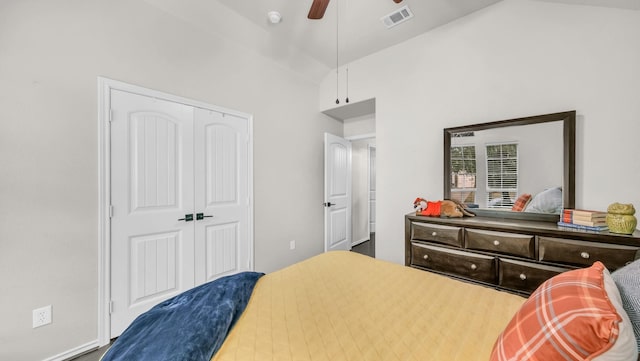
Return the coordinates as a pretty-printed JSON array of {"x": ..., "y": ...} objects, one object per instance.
[
  {"x": 292, "y": 245},
  {"x": 42, "y": 316}
]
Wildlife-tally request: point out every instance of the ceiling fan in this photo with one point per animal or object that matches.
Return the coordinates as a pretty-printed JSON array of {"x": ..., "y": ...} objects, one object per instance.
[{"x": 320, "y": 6}]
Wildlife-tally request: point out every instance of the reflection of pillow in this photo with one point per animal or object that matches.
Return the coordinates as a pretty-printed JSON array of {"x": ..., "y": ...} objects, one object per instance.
[
  {"x": 521, "y": 202},
  {"x": 547, "y": 201},
  {"x": 628, "y": 281},
  {"x": 576, "y": 315}
]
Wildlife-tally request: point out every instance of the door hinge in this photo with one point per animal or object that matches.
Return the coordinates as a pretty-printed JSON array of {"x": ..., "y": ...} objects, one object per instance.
[
  {"x": 110, "y": 115},
  {"x": 110, "y": 211},
  {"x": 110, "y": 307}
]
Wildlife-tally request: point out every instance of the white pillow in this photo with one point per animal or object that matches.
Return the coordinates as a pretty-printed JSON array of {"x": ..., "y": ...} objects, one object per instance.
[
  {"x": 628, "y": 281},
  {"x": 547, "y": 201},
  {"x": 625, "y": 347}
]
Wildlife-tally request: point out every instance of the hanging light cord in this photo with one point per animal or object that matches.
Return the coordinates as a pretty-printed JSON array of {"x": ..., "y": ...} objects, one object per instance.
[
  {"x": 346, "y": 6},
  {"x": 337, "y": 56}
]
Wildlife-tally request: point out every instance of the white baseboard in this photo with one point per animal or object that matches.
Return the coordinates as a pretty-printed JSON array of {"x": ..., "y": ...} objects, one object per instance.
[
  {"x": 74, "y": 351},
  {"x": 353, "y": 244}
]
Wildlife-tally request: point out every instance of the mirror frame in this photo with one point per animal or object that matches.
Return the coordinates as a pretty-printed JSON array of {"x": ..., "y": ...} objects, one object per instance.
[{"x": 569, "y": 162}]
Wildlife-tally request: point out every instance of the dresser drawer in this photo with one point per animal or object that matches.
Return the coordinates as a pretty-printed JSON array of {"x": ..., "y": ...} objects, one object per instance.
[
  {"x": 585, "y": 253},
  {"x": 508, "y": 243},
  {"x": 437, "y": 233},
  {"x": 524, "y": 276},
  {"x": 460, "y": 263}
]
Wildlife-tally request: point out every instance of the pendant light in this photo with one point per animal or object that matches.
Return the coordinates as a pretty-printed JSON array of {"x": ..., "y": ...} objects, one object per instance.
[{"x": 347, "y": 98}]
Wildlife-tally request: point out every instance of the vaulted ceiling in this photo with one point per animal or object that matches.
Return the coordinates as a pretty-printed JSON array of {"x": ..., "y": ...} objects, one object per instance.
[
  {"x": 360, "y": 30},
  {"x": 350, "y": 29}
]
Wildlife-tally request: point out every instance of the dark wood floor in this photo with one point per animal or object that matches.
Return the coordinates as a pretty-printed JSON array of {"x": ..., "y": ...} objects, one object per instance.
[
  {"x": 367, "y": 248},
  {"x": 92, "y": 356}
]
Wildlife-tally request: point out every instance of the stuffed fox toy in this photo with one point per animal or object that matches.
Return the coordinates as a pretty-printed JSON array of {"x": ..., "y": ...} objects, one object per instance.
[{"x": 445, "y": 208}]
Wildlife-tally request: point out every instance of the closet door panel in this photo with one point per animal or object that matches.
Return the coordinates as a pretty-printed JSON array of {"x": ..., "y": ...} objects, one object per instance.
[
  {"x": 152, "y": 188},
  {"x": 222, "y": 194}
]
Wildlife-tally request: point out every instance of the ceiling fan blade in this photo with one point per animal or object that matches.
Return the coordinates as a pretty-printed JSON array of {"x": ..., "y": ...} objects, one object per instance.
[{"x": 317, "y": 9}]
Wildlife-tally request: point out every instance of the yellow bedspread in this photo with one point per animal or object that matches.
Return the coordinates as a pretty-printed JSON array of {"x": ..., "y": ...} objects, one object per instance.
[{"x": 345, "y": 306}]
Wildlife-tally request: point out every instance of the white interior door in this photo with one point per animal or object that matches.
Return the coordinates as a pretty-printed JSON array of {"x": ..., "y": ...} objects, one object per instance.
[
  {"x": 222, "y": 207},
  {"x": 337, "y": 193},
  {"x": 152, "y": 188}
]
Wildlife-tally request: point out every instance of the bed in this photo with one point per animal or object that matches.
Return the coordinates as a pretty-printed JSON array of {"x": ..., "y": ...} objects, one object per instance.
[{"x": 345, "y": 306}]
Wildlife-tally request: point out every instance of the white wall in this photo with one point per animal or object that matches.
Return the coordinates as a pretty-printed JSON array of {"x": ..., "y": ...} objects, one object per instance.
[
  {"x": 360, "y": 126},
  {"x": 51, "y": 53},
  {"x": 515, "y": 58}
]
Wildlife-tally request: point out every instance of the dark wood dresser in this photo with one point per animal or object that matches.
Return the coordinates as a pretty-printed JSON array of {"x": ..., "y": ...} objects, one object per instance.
[{"x": 512, "y": 255}]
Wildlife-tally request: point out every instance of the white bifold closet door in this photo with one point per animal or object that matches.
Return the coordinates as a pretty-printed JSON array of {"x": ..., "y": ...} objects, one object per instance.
[{"x": 180, "y": 200}]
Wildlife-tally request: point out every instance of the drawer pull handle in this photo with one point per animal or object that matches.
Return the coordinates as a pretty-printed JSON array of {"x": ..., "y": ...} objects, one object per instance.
[
  {"x": 426, "y": 256},
  {"x": 523, "y": 276},
  {"x": 434, "y": 233},
  {"x": 585, "y": 255},
  {"x": 474, "y": 267},
  {"x": 496, "y": 243}
]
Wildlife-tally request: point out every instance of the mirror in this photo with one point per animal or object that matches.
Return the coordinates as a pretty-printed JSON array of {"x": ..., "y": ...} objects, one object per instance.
[{"x": 520, "y": 168}]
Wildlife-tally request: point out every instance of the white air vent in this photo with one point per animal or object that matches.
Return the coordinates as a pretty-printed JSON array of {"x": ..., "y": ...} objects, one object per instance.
[{"x": 401, "y": 15}]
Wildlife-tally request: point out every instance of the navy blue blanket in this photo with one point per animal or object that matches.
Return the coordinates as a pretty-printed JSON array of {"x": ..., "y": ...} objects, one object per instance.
[{"x": 190, "y": 326}]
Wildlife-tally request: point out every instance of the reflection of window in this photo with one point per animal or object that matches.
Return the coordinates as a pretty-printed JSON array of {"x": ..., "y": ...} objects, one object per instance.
[
  {"x": 463, "y": 173},
  {"x": 502, "y": 175}
]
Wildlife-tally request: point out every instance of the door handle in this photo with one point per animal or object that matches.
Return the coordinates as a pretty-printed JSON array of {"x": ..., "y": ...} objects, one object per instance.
[
  {"x": 187, "y": 218},
  {"x": 329, "y": 204},
  {"x": 201, "y": 216}
]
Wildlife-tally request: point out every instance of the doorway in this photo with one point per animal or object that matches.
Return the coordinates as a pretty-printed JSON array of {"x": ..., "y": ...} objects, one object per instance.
[
  {"x": 363, "y": 194},
  {"x": 359, "y": 128}
]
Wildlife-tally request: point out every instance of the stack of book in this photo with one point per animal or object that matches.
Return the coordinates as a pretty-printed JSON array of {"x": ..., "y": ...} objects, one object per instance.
[{"x": 584, "y": 219}]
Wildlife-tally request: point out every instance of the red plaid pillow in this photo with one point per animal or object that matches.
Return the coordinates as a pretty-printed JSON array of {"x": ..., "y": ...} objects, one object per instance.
[
  {"x": 521, "y": 202},
  {"x": 569, "y": 317}
]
